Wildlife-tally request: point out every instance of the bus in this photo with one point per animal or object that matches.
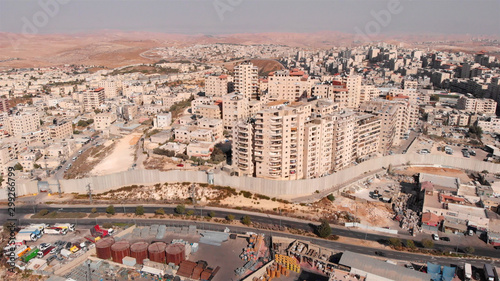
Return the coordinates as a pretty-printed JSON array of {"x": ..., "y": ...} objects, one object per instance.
[
  {"x": 468, "y": 271},
  {"x": 488, "y": 272}
]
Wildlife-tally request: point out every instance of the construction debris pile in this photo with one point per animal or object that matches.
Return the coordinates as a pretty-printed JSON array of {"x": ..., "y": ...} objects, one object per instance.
[{"x": 406, "y": 207}]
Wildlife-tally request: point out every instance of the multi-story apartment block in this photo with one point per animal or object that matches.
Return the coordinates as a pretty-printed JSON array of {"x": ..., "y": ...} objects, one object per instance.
[
  {"x": 22, "y": 123},
  {"x": 110, "y": 88},
  {"x": 61, "y": 130},
  {"x": 242, "y": 152},
  {"x": 318, "y": 147},
  {"x": 92, "y": 99},
  {"x": 246, "y": 80},
  {"x": 490, "y": 125},
  {"x": 102, "y": 121},
  {"x": 208, "y": 111},
  {"x": 288, "y": 85},
  {"x": 218, "y": 86},
  {"x": 353, "y": 84},
  {"x": 162, "y": 120},
  {"x": 234, "y": 108},
  {"x": 485, "y": 106},
  {"x": 215, "y": 125},
  {"x": 4, "y": 105}
]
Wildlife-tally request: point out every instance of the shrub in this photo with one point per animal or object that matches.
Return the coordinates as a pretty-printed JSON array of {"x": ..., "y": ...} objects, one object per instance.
[
  {"x": 427, "y": 243},
  {"x": 229, "y": 217},
  {"x": 43, "y": 212},
  {"x": 93, "y": 211},
  {"x": 139, "y": 210},
  {"x": 410, "y": 244},
  {"x": 110, "y": 210},
  {"x": 331, "y": 197},
  {"x": 246, "y": 220},
  {"x": 324, "y": 230},
  {"x": 246, "y": 194},
  {"x": 395, "y": 242},
  {"x": 211, "y": 214},
  {"x": 160, "y": 211},
  {"x": 180, "y": 209},
  {"x": 190, "y": 213},
  {"x": 469, "y": 250}
]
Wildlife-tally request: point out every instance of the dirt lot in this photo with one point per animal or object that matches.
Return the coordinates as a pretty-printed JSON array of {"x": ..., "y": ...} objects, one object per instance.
[
  {"x": 409, "y": 171},
  {"x": 84, "y": 164},
  {"x": 121, "y": 157}
]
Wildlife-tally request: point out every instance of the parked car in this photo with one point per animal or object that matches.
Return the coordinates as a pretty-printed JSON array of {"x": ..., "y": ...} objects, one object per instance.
[
  {"x": 180, "y": 165},
  {"x": 51, "y": 258},
  {"x": 409, "y": 266},
  {"x": 435, "y": 237},
  {"x": 445, "y": 239},
  {"x": 378, "y": 253}
]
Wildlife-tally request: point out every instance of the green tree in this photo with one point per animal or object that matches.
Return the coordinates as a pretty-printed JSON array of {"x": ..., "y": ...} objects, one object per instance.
[
  {"x": 395, "y": 242},
  {"x": 246, "y": 220},
  {"x": 139, "y": 210},
  {"x": 217, "y": 155},
  {"x": 93, "y": 211},
  {"x": 229, "y": 217},
  {"x": 18, "y": 167},
  {"x": 180, "y": 209},
  {"x": 190, "y": 212},
  {"x": 110, "y": 210},
  {"x": 331, "y": 197},
  {"x": 324, "y": 230},
  {"x": 410, "y": 244},
  {"x": 36, "y": 166},
  {"x": 427, "y": 243},
  {"x": 211, "y": 214},
  {"x": 160, "y": 211},
  {"x": 469, "y": 250},
  {"x": 43, "y": 212}
]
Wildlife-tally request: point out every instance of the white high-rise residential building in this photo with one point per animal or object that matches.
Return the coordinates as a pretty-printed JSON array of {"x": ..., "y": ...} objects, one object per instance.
[
  {"x": 289, "y": 85},
  {"x": 486, "y": 106},
  {"x": 246, "y": 80},
  {"x": 234, "y": 109},
  {"x": 92, "y": 99},
  {"x": 217, "y": 86},
  {"x": 353, "y": 84}
]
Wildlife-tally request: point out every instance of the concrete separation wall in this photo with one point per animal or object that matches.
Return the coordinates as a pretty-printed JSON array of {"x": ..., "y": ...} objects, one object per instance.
[{"x": 273, "y": 188}]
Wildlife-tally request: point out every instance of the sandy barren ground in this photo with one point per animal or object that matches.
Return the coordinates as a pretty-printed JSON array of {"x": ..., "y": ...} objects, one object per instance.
[
  {"x": 120, "y": 159},
  {"x": 409, "y": 171}
]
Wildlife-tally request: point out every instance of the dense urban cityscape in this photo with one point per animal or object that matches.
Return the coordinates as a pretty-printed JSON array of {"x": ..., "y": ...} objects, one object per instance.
[{"x": 227, "y": 158}]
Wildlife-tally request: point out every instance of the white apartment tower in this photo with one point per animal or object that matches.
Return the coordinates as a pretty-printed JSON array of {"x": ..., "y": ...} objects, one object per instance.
[
  {"x": 25, "y": 122},
  {"x": 217, "y": 86},
  {"x": 246, "y": 80},
  {"x": 234, "y": 109},
  {"x": 288, "y": 85}
]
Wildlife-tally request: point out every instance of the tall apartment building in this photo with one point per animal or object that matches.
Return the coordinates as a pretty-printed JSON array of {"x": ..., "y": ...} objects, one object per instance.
[
  {"x": 4, "y": 105},
  {"x": 353, "y": 84},
  {"x": 61, "y": 130},
  {"x": 333, "y": 90},
  {"x": 234, "y": 108},
  {"x": 368, "y": 92},
  {"x": 397, "y": 117},
  {"x": 486, "y": 106},
  {"x": 218, "y": 86},
  {"x": 288, "y": 142},
  {"x": 288, "y": 85},
  {"x": 22, "y": 123},
  {"x": 246, "y": 80},
  {"x": 355, "y": 136},
  {"x": 110, "y": 88},
  {"x": 92, "y": 99}
]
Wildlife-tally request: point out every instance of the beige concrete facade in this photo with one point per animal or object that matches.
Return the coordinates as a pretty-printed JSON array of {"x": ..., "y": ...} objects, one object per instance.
[{"x": 246, "y": 80}]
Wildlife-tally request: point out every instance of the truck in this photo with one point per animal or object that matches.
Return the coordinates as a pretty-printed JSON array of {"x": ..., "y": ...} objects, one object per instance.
[
  {"x": 56, "y": 230},
  {"x": 32, "y": 230},
  {"x": 97, "y": 231},
  {"x": 22, "y": 250},
  {"x": 29, "y": 255},
  {"x": 468, "y": 271},
  {"x": 26, "y": 237},
  {"x": 45, "y": 252},
  {"x": 39, "y": 226},
  {"x": 69, "y": 226},
  {"x": 489, "y": 275},
  {"x": 65, "y": 253}
]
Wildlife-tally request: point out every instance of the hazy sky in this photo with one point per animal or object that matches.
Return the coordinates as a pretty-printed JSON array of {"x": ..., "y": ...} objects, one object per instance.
[{"x": 475, "y": 17}]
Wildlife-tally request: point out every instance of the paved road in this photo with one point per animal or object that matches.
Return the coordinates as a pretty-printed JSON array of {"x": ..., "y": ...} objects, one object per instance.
[
  {"x": 404, "y": 256},
  {"x": 271, "y": 220}
]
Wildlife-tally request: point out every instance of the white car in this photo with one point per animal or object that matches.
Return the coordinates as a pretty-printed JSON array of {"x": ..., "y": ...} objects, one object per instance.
[
  {"x": 44, "y": 246},
  {"x": 435, "y": 237}
]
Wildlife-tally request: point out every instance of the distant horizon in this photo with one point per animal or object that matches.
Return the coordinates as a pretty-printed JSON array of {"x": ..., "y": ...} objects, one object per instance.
[{"x": 228, "y": 17}]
